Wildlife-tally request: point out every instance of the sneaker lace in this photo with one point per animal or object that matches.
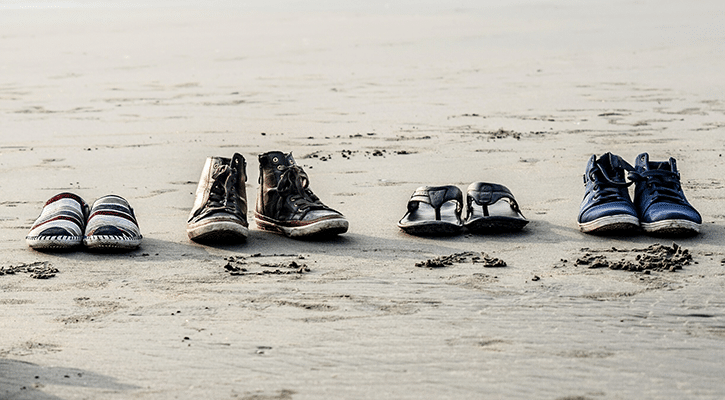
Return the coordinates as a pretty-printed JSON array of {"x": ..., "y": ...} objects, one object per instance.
[
  {"x": 222, "y": 193},
  {"x": 607, "y": 188},
  {"x": 294, "y": 184},
  {"x": 663, "y": 185}
]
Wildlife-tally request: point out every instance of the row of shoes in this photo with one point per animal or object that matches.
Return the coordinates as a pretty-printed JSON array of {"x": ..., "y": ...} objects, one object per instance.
[
  {"x": 286, "y": 205},
  {"x": 659, "y": 206},
  {"x": 67, "y": 222},
  {"x": 437, "y": 210}
]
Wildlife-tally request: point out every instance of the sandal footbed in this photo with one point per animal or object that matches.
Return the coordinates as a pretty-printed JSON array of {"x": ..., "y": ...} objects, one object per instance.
[
  {"x": 421, "y": 218},
  {"x": 503, "y": 211}
]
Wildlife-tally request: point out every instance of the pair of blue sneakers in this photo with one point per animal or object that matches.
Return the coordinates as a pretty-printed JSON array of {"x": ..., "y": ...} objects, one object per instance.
[{"x": 659, "y": 207}]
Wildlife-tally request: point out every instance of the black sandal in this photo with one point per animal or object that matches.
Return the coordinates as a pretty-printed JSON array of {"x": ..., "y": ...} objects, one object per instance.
[
  {"x": 492, "y": 208},
  {"x": 433, "y": 210}
]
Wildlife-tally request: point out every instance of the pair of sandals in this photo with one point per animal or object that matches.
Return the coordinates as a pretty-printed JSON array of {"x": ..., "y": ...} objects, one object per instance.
[{"x": 437, "y": 210}]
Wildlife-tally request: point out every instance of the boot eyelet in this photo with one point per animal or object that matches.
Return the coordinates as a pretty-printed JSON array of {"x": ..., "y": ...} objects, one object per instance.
[
  {"x": 275, "y": 159},
  {"x": 279, "y": 167}
]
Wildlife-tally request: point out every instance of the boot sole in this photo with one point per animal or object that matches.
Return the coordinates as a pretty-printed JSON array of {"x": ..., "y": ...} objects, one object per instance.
[
  {"x": 611, "y": 224},
  {"x": 325, "y": 227},
  {"x": 217, "y": 231},
  {"x": 672, "y": 227}
]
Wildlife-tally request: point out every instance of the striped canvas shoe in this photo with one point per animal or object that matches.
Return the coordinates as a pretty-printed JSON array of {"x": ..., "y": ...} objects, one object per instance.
[
  {"x": 60, "y": 225},
  {"x": 112, "y": 225}
]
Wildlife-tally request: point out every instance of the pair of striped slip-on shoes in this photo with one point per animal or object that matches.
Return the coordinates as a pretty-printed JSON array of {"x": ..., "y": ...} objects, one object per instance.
[{"x": 66, "y": 222}]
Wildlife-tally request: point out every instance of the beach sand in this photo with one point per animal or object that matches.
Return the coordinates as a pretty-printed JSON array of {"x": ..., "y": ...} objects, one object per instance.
[{"x": 373, "y": 100}]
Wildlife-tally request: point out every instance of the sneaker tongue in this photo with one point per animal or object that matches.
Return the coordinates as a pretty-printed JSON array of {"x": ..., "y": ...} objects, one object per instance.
[
  {"x": 662, "y": 165},
  {"x": 669, "y": 165},
  {"x": 611, "y": 161},
  {"x": 611, "y": 166}
]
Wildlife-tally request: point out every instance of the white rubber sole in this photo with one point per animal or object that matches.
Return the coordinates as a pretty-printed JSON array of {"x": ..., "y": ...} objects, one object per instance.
[
  {"x": 111, "y": 242},
  {"x": 217, "y": 230},
  {"x": 53, "y": 242},
  {"x": 672, "y": 227},
  {"x": 611, "y": 224},
  {"x": 325, "y": 227}
]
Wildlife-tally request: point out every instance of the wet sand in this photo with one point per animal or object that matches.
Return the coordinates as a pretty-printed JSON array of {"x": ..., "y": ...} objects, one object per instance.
[{"x": 373, "y": 101}]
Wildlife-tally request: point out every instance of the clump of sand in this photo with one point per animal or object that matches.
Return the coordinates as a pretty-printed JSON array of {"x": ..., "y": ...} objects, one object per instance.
[
  {"x": 459, "y": 258},
  {"x": 281, "y": 264},
  {"x": 656, "y": 257},
  {"x": 37, "y": 270}
]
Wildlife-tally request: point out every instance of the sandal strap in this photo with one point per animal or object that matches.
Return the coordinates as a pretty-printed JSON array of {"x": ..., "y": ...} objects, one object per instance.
[
  {"x": 436, "y": 196},
  {"x": 485, "y": 194}
]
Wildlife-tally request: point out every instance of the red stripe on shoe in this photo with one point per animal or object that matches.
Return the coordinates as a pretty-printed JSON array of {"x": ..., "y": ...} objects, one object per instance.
[
  {"x": 59, "y": 217},
  {"x": 114, "y": 214}
]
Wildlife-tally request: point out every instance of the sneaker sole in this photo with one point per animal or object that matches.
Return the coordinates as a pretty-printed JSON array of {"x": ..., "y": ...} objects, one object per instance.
[
  {"x": 326, "y": 227},
  {"x": 53, "y": 242},
  {"x": 221, "y": 231},
  {"x": 111, "y": 242},
  {"x": 611, "y": 224},
  {"x": 672, "y": 227}
]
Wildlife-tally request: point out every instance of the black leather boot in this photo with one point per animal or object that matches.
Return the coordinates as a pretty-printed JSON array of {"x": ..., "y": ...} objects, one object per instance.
[
  {"x": 285, "y": 203},
  {"x": 220, "y": 207}
]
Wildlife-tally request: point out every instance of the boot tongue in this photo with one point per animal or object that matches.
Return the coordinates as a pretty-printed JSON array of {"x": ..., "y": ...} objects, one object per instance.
[
  {"x": 290, "y": 159},
  {"x": 276, "y": 158},
  {"x": 270, "y": 155},
  {"x": 223, "y": 184}
]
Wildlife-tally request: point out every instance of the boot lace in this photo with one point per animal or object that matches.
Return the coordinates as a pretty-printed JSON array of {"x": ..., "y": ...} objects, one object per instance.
[
  {"x": 294, "y": 184},
  {"x": 222, "y": 195}
]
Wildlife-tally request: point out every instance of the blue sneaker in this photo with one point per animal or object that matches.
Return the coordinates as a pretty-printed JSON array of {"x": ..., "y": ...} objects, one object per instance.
[
  {"x": 607, "y": 207},
  {"x": 663, "y": 208}
]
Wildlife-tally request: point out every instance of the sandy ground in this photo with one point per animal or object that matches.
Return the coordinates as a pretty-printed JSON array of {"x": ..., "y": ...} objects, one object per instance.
[{"x": 130, "y": 100}]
